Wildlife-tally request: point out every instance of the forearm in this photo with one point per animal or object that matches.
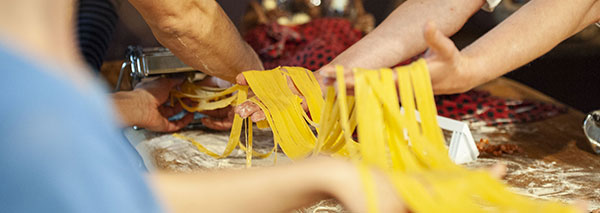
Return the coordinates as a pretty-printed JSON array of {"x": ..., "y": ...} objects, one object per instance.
[
  {"x": 400, "y": 36},
  {"x": 277, "y": 189},
  {"x": 200, "y": 34},
  {"x": 530, "y": 32}
]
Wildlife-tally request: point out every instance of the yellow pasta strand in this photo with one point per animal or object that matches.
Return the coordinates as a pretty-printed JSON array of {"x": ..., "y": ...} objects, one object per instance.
[
  {"x": 412, "y": 154},
  {"x": 234, "y": 136},
  {"x": 285, "y": 112}
]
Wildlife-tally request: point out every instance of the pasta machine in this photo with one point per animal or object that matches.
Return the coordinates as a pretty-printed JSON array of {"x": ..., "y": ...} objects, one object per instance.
[{"x": 147, "y": 62}]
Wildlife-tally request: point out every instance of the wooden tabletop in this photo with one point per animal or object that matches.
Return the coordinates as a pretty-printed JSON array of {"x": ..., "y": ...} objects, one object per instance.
[{"x": 557, "y": 162}]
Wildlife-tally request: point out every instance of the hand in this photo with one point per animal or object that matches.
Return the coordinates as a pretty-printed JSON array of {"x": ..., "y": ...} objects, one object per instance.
[
  {"x": 250, "y": 109},
  {"x": 144, "y": 106},
  {"x": 326, "y": 76},
  {"x": 448, "y": 68},
  {"x": 346, "y": 186},
  {"x": 343, "y": 181},
  {"x": 218, "y": 119}
]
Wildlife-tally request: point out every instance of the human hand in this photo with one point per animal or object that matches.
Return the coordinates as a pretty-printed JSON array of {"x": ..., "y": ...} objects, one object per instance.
[
  {"x": 250, "y": 109},
  {"x": 218, "y": 119},
  {"x": 327, "y": 76},
  {"x": 144, "y": 106},
  {"x": 345, "y": 184},
  {"x": 449, "y": 69}
]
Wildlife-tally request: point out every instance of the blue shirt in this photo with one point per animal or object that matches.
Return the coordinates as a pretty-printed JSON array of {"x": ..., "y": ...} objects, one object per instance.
[{"x": 61, "y": 150}]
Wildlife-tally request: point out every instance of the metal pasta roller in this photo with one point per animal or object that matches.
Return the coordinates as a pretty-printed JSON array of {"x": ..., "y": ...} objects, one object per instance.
[
  {"x": 591, "y": 128},
  {"x": 146, "y": 62}
]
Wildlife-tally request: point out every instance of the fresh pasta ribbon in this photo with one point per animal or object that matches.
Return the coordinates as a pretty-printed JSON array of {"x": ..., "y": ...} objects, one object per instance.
[{"x": 390, "y": 139}]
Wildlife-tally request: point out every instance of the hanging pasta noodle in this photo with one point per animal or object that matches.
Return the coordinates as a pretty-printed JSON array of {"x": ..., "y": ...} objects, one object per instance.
[
  {"x": 412, "y": 154},
  {"x": 421, "y": 170},
  {"x": 208, "y": 98}
]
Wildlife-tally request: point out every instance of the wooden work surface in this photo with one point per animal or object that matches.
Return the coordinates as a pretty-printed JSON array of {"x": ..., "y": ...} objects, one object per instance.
[{"x": 556, "y": 161}]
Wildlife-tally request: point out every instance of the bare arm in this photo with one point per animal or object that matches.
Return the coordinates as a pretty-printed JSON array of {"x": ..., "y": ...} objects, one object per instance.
[
  {"x": 533, "y": 30},
  {"x": 276, "y": 189},
  {"x": 399, "y": 37},
  {"x": 200, "y": 34},
  {"x": 279, "y": 189}
]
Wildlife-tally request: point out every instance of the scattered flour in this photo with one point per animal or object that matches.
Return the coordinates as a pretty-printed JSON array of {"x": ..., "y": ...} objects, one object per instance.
[{"x": 545, "y": 180}]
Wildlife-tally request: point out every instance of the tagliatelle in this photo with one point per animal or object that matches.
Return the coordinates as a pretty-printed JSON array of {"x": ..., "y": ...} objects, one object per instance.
[{"x": 412, "y": 154}]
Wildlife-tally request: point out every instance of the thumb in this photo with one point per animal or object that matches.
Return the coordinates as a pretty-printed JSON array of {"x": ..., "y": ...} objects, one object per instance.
[
  {"x": 438, "y": 43},
  {"x": 241, "y": 80}
]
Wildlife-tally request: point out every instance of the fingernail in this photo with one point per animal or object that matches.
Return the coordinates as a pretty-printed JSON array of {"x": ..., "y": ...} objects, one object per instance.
[{"x": 257, "y": 117}]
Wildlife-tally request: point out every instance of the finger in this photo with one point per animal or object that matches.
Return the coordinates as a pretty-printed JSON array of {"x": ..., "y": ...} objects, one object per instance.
[
  {"x": 168, "y": 111},
  {"x": 211, "y": 81},
  {"x": 178, "y": 124},
  {"x": 189, "y": 102},
  {"x": 437, "y": 42},
  {"x": 498, "y": 170},
  {"x": 241, "y": 80},
  {"x": 328, "y": 81},
  {"x": 207, "y": 82},
  {"x": 164, "y": 125},
  {"x": 258, "y": 116},
  {"x": 250, "y": 93},
  {"x": 582, "y": 206},
  {"x": 349, "y": 80},
  {"x": 350, "y": 91},
  {"x": 217, "y": 123},
  {"x": 218, "y": 113},
  {"x": 246, "y": 109},
  {"x": 171, "y": 82},
  {"x": 327, "y": 71}
]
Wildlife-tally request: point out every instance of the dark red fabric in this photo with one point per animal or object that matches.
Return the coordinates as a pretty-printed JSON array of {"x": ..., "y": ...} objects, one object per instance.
[
  {"x": 309, "y": 45},
  {"x": 481, "y": 106},
  {"x": 316, "y": 43}
]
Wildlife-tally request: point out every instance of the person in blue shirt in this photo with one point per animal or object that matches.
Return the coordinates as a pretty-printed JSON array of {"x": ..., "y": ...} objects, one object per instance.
[{"x": 62, "y": 150}]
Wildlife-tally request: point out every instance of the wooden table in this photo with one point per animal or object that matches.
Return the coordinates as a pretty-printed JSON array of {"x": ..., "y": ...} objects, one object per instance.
[{"x": 557, "y": 161}]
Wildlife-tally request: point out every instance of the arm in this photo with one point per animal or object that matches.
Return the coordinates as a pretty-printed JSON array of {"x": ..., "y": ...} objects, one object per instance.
[
  {"x": 393, "y": 41},
  {"x": 275, "y": 189},
  {"x": 530, "y": 32},
  {"x": 200, "y": 34},
  {"x": 399, "y": 37}
]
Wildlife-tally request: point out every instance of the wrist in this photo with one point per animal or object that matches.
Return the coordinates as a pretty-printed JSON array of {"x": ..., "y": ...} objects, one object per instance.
[{"x": 470, "y": 70}]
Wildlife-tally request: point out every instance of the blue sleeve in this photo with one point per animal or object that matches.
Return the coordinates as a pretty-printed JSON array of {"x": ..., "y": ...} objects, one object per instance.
[{"x": 61, "y": 151}]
